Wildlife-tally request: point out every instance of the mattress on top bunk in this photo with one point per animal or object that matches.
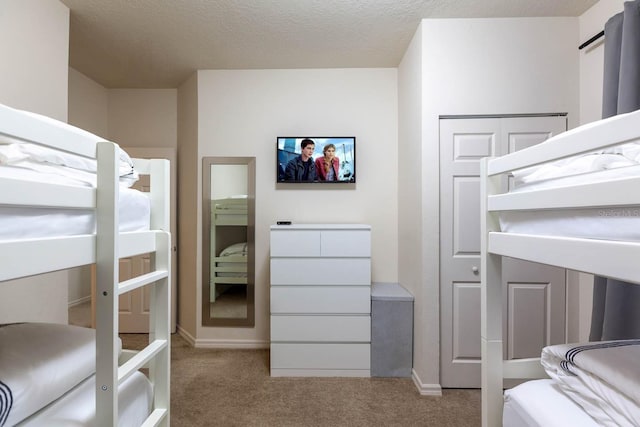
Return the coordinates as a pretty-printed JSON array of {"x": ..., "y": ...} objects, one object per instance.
[
  {"x": 25, "y": 222},
  {"x": 541, "y": 403},
  {"x": 77, "y": 407},
  {"x": 617, "y": 223}
]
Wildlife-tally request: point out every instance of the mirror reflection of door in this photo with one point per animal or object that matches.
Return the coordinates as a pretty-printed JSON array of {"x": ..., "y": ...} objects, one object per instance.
[{"x": 228, "y": 196}]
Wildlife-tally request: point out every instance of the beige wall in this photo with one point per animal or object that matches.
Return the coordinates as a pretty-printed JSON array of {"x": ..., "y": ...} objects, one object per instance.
[
  {"x": 33, "y": 76},
  {"x": 88, "y": 102},
  {"x": 241, "y": 113},
  {"x": 410, "y": 209},
  {"x": 34, "y": 40},
  {"x": 143, "y": 117},
  {"x": 188, "y": 197},
  {"x": 476, "y": 66}
]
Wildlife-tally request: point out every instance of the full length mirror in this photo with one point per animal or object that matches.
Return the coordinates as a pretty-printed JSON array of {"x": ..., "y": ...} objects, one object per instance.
[{"x": 228, "y": 255}]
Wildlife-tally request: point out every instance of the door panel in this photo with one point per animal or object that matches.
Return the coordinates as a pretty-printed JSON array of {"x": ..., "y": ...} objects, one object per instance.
[
  {"x": 134, "y": 317},
  {"x": 134, "y": 306},
  {"x": 534, "y": 294},
  {"x": 466, "y": 317},
  {"x": 466, "y": 216}
]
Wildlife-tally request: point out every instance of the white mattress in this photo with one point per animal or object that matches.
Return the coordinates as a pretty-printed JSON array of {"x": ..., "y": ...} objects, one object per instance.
[
  {"x": 77, "y": 407},
  {"x": 609, "y": 223},
  {"x": 23, "y": 223},
  {"x": 540, "y": 403}
]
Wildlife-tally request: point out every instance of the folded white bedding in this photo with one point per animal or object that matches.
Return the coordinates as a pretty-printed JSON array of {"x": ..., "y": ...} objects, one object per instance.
[
  {"x": 627, "y": 154},
  {"x": 39, "y": 362},
  {"x": 602, "y": 377},
  {"x": 583, "y": 164},
  {"x": 51, "y": 162},
  {"x": 14, "y": 150}
]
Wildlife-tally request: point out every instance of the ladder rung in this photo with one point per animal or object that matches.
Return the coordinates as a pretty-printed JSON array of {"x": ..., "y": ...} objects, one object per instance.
[
  {"x": 140, "y": 359},
  {"x": 155, "y": 418},
  {"x": 145, "y": 279}
]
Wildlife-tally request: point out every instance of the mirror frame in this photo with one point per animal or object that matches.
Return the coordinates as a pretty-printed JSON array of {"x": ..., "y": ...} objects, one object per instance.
[{"x": 207, "y": 162}]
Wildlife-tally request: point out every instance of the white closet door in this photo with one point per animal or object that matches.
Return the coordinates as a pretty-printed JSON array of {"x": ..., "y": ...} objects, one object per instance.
[{"x": 534, "y": 294}]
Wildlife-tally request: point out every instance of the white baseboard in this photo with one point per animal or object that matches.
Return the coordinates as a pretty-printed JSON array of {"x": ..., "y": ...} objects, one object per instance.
[
  {"x": 425, "y": 389},
  {"x": 80, "y": 301},
  {"x": 221, "y": 344},
  {"x": 232, "y": 344},
  {"x": 190, "y": 339}
]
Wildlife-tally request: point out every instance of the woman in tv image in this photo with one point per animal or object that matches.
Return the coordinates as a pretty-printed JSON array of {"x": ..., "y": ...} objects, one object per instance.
[{"x": 328, "y": 165}]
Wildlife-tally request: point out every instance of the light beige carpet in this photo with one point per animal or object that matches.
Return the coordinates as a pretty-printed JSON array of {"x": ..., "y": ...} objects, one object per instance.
[{"x": 233, "y": 388}]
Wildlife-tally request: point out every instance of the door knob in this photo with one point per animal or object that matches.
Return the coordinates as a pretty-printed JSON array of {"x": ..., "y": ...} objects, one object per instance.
[{"x": 474, "y": 269}]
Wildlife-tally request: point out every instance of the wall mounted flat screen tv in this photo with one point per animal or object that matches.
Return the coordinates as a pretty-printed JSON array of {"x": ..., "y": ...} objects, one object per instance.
[{"x": 316, "y": 159}]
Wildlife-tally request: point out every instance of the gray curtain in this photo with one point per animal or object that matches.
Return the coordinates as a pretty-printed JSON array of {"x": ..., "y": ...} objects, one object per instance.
[{"x": 616, "y": 304}]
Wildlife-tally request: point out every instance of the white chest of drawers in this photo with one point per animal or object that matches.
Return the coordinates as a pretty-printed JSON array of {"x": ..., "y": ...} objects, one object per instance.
[{"x": 320, "y": 300}]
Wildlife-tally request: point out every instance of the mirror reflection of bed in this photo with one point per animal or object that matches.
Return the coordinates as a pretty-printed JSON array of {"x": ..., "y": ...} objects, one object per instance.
[
  {"x": 228, "y": 298},
  {"x": 228, "y": 271}
]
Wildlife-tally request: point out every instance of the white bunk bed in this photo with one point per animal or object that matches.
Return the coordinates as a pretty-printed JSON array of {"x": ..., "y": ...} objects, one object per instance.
[
  {"x": 584, "y": 222},
  {"x": 229, "y": 221},
  {"x": 65, "y": 202}
]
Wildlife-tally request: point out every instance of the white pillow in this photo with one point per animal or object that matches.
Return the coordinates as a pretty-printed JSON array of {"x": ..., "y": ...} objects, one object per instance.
[
  {"x": 39, "y": 362},
  {"x": 235, "y": 249}
]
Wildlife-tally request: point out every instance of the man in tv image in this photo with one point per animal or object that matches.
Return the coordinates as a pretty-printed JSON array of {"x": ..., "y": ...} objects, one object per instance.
[{"x": 302, "y": 167}]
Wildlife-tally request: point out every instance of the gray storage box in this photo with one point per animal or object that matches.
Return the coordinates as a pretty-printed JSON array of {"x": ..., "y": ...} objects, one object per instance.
[{"x": 391, "y": 330}]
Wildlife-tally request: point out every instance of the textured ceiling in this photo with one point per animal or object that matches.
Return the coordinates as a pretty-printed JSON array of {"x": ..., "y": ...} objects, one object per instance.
[{"x": 160, "y": 43}]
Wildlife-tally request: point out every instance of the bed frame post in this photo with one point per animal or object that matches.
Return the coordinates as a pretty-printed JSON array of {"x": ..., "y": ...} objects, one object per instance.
[
  {"x": 491, "y": 306},
  {"x": 160, "y": 315},
  {"x": 107, "y": 284},
  {"x": 160, "y": 324}
]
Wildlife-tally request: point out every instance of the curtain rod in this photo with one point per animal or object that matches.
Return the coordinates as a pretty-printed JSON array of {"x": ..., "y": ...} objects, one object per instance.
[{"x": 591, "y": 40}]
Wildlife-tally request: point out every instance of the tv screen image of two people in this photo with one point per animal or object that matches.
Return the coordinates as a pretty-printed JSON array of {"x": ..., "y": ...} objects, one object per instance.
[{"x": 316, "y": 159}]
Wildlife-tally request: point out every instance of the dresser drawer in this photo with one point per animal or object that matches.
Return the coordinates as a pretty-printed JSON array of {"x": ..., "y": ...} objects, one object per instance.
[
  {"x": 301, "y": 243},
  {"x": 321, "y": 328},
  {"x": 320, "y": 271},
  {"x": 345, "y": 243},
  {"x": 320, "y": 356},
  {"x": 320, "y": 299}
]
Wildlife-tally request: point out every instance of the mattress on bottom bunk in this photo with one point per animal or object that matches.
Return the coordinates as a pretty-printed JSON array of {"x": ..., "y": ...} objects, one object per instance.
[
  {"x": 541, "y": 403},
  {"x": 77, "y": 407},
  {"x": 594, "y": 223},
  {"x": 39, "y": 362},
  {"x": 134, "y": 209},
  {"x": 236, "y": 252}
]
